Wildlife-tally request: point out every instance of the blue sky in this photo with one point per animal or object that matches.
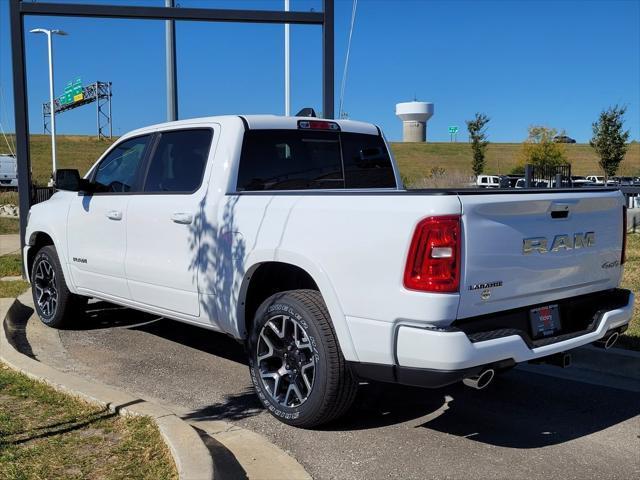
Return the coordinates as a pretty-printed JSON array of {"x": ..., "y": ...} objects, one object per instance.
[{"x": 556, "y": 63}]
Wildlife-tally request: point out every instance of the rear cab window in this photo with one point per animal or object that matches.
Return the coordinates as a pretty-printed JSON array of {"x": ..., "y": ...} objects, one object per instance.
[{"x": 309, "y": 160}]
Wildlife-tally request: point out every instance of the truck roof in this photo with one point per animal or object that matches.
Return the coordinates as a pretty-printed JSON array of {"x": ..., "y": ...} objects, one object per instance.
[{"x": 258, "y": 122}]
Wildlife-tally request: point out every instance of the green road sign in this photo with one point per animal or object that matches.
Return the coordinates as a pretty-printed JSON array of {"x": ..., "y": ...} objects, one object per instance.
[
  {"x": 72, "y": 92},
  {"x": 453, "y": 130}
]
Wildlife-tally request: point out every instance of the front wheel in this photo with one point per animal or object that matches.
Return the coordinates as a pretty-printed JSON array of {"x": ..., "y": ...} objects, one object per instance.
[
  {"x": 295, "y": 361},
  {"x": 56, "y": 306}
]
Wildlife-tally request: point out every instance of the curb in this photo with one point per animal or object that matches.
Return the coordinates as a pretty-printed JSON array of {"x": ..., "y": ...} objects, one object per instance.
[
  {"x": 12, "y": 278},
  {"x": 190, "y": 454}
]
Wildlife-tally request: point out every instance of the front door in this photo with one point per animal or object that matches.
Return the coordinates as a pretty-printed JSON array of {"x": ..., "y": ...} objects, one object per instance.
[
  {"x": 164, "y": 223},
  {"x": 96, "y": 227}
]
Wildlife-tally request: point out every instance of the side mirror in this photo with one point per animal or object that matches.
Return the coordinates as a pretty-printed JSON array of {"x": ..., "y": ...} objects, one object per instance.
[{"x": 67, "y": 179}]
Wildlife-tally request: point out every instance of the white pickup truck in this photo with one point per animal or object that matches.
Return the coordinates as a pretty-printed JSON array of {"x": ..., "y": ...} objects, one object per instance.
[{"x": 296, "y": 237}]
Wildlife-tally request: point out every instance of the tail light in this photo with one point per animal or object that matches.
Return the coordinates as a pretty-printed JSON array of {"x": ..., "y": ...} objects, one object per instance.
[
  {"x": 433, "y": 264},
  {"x": 623, "y": 257}
]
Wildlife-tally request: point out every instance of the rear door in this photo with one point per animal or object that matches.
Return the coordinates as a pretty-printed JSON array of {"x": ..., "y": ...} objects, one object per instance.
[
  {"x": 165, "y": 222},
  {"x": 530, "y": 248}
]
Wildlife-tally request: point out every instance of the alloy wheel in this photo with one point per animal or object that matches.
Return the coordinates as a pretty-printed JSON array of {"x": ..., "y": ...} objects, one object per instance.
[
  {"x": 45, "y": 287},
  {"x": 286, "y": 361}
]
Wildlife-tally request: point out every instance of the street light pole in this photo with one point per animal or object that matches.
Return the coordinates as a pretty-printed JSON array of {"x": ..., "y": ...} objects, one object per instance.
[
  {"x": 171, "y": 72},
  {"x": 287, "y": 65},
  {"x": 52, "y": 108}
]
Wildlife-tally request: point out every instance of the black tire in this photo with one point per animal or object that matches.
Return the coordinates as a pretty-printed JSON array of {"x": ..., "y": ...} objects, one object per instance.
[
  {"x": 333, "y": 386},
  {"x": 56, "y": 306}
]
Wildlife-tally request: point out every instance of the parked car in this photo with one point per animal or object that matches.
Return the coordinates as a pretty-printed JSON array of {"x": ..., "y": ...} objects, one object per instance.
[
  {"x": 563, "y": 139},
  {"x": 295, "y": 236},
  {"x": 597, "y": 179},
  {"x": 582, "y": 183},
  {"x": 8, "y": 172},
  {"x": 509, "y": 181},
  {"x": 521, "y": 183},
  {"x": 626, "y": 181},
  {"x": 488, "y": 181}
]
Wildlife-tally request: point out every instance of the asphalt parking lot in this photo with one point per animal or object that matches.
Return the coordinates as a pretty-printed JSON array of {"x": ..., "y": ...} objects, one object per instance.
[{"x": 527, "y": 424}]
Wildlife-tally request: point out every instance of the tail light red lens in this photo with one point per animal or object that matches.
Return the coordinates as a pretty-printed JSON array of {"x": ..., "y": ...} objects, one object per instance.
[
  {"x": 623, "y": 257},
  {"x": 433, "y": 264}
]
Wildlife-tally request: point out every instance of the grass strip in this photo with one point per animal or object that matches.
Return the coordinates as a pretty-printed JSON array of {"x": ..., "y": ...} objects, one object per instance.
[{"x": 48, "y": 434}]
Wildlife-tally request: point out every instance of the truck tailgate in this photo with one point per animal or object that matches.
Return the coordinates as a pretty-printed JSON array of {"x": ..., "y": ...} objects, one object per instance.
[{"x": 533, "y": 248}]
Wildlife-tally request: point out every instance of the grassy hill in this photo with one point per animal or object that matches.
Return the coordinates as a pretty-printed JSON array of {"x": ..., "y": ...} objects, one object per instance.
[{"x": 415, "y": 159}]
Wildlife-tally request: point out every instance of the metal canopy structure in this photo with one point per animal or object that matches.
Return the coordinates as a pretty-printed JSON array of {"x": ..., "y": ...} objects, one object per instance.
[
  {"x": 98, "y": 92},
  {"x": 19, "y": 9}
]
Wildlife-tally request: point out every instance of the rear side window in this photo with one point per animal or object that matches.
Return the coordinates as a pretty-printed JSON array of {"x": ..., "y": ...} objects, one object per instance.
[
  {"x": 366, "y": 162},
  {"x": 119, "y": 170},
  {"x": 179, "y": 161},
  {"x": 304, "y": 160}
]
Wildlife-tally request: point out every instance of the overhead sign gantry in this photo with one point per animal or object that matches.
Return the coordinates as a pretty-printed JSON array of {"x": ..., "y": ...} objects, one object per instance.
[
  {"x": 20, "y": 9},
  {"x": 76, "y": 95}
]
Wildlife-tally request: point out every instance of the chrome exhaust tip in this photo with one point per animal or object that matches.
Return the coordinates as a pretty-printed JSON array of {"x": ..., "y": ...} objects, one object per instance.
[
  {"x": 611, "y": 340},
  {"x": 479, "y": 381},
  {"x": 608, "y": 341}
]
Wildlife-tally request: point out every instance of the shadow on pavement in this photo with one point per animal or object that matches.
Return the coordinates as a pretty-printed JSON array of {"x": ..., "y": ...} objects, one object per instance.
[
  {"x": 518, "y": 410},
  {"x": 528, "y": 410},
  {"x": 208, "y": 341},
  {"x": 224, "y": 462},
  {"x": 235, "y": 407},
  {"x": 15, "y": 327},
  {"x": 101, "y": 314}
]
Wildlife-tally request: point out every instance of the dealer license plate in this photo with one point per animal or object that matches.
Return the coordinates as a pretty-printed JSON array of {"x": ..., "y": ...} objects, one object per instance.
[{"x": 545, "y": 321}]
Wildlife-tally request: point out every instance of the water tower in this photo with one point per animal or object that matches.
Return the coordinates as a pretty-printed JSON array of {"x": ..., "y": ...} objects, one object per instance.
[{"x": 414, "y": 116}]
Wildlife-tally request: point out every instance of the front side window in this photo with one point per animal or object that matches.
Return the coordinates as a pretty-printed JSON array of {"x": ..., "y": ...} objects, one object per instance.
[
  {"x": 119, "y": 170},
  {"x": 179, "y": 161},
  {"x": 304, "y": 160}
]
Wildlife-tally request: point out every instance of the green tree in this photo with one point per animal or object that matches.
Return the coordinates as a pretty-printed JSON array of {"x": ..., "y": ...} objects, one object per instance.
[
  {"x": 539, "y": 148},
  {"x": 610, "y": 140},
  {"x": 478, "y": 134}
]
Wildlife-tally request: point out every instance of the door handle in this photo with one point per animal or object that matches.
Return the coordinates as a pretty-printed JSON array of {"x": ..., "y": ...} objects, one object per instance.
[
  {"x": 114, "y": 215},
  {"x": 181, "y": 217}
]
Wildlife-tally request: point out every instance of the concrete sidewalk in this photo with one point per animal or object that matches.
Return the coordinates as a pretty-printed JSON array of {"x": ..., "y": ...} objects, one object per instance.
[{"x": 9, "y": 243}]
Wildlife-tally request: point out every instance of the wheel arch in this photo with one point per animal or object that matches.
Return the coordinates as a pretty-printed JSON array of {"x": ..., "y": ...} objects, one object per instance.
[
  {"x": 36, "y": 241},
  {"x": 39, "y": 238},
  {"x": 266, "y": 278}
]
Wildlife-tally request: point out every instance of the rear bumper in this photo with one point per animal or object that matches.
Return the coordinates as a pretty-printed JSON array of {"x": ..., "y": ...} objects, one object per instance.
[{"x": 434, "y": 358}]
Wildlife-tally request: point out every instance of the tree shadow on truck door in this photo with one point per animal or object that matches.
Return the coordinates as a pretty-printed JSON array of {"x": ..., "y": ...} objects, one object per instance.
[{"x": 217, "y": 263}]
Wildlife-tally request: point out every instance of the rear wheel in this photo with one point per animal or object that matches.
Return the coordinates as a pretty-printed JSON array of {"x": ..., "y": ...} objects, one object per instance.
[
  {"x": 56, "y": 306},
  {"x": 295, "y": 361}
]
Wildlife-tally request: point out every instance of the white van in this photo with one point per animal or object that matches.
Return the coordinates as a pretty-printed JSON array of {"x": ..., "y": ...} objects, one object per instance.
[{"x": 8, "y": 171}]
